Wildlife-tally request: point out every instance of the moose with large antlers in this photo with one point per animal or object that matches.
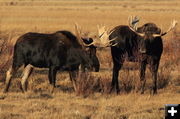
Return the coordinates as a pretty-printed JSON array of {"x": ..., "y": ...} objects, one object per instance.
[
  {"x": 57, "y": 51},
  {"x": 142, "y": 44}
]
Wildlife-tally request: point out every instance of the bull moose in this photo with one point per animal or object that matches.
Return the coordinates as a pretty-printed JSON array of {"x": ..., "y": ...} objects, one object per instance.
[
  {"x": 57, "y": 51},
  {"x": 136, "y": 44}
]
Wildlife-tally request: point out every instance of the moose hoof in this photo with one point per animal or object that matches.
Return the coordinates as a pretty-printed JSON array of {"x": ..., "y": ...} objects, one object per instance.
[
  {"x": 117, "y": 91},
  {"x": 142, "y": 92},
  {"x": 5, "y": 91}
]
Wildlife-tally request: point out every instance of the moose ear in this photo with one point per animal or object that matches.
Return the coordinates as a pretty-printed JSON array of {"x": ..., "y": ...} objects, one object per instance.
[
  {"x": 90, "y": 40},
  {"x": 158, "y": 31},
  {"x": 87, "y": 40},
  {"x": 140, "y": 30}
]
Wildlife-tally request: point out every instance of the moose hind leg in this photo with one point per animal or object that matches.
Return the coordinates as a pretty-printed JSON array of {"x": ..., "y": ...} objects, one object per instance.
[
  {"x": 8, "y": 79},
  {"x": 52, "y": 77},
  {"x": 142, "y": 76},
  {"x": 154, "y": 70},
  {"x": 26, "y": 73},
  {"x": 9, "y": 75},
  {"x": 115, "y": 83},
  {"x": 73, "y": 76}
]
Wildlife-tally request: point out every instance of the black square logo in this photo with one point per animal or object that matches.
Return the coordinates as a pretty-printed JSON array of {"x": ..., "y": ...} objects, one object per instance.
[{"x": 172, "y": 111}]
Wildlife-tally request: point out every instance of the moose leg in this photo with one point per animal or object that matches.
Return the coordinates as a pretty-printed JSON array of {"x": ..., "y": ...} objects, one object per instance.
[
  {"x": 52, "y": 77},
  {"x": 8, "y": 79},
  {"x": 115, "y": 83},
  {"x": 26, "y": 73},
  {"x": 9, "y": 75},
  {"x": 49, "y": 77},
  {"x": 118, "y": 60},
  {"x": 73, "y": 77},
  {"x": 142, "y": 76},
  {"x": 96, "y": 64},
  {"x": 154, "y": 70}
]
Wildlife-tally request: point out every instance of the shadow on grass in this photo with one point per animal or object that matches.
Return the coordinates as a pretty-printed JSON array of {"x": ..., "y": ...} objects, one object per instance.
[{"x": 66, "y": 89}]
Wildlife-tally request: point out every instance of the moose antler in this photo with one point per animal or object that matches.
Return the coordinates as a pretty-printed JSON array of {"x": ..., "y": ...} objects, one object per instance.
[
  {"x": 133, "y": 21},
  {"x": 103, "y": 38},
  {"x": 172, "y": 26},
  {"x": 78, "y": 35}
]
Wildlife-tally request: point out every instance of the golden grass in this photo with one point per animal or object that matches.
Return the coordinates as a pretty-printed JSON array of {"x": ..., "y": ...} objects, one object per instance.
[
  {"x": 18, "y": 17},
  {"x": 56, "y": 15},
  {"x": 70, "y": 106}
]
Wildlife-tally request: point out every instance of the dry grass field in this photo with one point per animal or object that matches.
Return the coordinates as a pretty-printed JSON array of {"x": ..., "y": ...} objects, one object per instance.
[{"x": 47, "y": 16}]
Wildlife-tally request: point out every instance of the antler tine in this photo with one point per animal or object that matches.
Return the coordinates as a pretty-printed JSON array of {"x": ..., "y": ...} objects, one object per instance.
[
  {"x": 103, "y": 28},
  {"x": 77, "y": 30},
  {"x": 111, "y": 31},
  {"x": 135, "y": 22},
  {"x": 173, "y": 24},
  {"x": 78, "y": 35},
  {"x": 131, "y": 21},
  {"x": 98, "y": 27}
]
